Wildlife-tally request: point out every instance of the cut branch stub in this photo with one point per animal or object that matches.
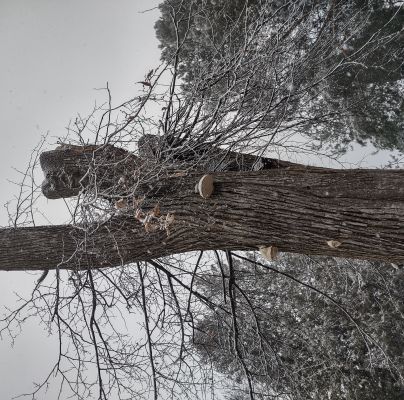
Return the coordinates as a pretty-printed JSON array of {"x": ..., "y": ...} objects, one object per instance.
[
  {"x": 66, "y": 166},
  {"x": 205, "y": 186}
]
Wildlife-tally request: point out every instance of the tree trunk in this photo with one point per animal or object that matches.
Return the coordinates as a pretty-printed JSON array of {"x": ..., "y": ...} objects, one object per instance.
[
  {"x": 66, "y": 168},
  {"x": 297, "y": 210}
]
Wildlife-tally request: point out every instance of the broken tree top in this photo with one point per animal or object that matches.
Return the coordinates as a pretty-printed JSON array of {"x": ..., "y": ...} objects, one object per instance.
[{"x": 66, "y": 168}]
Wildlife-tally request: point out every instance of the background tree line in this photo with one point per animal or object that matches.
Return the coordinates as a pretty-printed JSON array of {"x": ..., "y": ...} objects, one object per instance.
[
  {"x": 334, "y": 69},
  {"x": 297, "y": 322},
  {"x": 336, "y": 66}
]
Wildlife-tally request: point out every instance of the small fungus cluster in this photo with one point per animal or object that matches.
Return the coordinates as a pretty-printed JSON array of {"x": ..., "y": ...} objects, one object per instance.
[{"x": 152, "y": 220}]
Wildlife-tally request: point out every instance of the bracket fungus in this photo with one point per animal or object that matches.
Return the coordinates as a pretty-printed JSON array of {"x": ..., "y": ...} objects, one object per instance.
[
  {"x": 270, "y": 252},
  {"x": 333, "y": 243},
  {"x": 205, "y": 186}
]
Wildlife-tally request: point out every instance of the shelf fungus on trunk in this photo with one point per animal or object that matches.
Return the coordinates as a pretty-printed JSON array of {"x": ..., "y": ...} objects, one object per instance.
[
  {"x": 334, "y": 243},
  {"x": 205, "y": 186},
  {"x": 270, "y": 253}
]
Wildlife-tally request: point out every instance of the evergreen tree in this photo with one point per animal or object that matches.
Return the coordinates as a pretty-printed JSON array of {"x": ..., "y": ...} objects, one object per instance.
[
  {"x": 337, "y": 65},
  {"x": 301, "y": 343}
]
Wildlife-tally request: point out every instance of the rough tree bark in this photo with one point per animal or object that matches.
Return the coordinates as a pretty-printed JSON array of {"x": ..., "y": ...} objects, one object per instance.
[
  {"x": 66, "y": 167},
  {"x": 295, "y": 208}
]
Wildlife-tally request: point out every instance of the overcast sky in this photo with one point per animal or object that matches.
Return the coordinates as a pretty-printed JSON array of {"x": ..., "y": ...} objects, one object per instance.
[{"x": 54, "y": 54}]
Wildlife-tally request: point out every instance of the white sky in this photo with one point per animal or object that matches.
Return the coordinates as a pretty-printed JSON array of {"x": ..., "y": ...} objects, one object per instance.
[{"x": 53, "y": 54}]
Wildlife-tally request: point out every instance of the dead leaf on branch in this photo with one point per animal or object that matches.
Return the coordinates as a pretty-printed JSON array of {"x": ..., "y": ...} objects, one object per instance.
[
  {"x": 144, "y": 83},
  {"x": 156, "y": 211},
  {"x": 121, "y": 204}
]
